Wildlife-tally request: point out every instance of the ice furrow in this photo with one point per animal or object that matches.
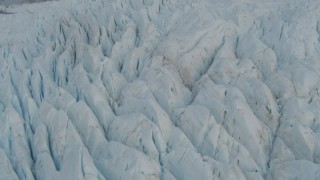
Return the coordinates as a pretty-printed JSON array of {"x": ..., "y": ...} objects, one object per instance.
[{"x": 160, "y": 90}]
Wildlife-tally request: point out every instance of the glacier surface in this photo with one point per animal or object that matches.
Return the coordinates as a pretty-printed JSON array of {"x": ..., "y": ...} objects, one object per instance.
[{"x": 168, "y": 89}]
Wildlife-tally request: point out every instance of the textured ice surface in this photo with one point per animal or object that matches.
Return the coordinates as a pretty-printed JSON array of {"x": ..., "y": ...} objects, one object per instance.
[{"x": 170, "y": 89}]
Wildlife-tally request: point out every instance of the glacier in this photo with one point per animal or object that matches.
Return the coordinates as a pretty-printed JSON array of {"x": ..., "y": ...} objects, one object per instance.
[{"x": 168, "y": 89}]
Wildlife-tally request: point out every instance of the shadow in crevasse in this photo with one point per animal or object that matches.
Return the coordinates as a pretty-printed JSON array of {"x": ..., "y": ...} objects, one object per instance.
[{"x": 11, "y": 2}]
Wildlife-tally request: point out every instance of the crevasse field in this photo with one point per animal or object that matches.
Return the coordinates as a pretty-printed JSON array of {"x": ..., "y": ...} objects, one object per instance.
[{"x": 160, "y": 89}]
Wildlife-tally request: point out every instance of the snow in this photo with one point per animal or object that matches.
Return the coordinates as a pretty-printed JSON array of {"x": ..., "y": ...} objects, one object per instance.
[{"x": 172, "y": 89}]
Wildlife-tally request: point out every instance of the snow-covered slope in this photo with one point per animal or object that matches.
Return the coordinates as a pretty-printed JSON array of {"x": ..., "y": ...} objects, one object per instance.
[{"x": 170, "y": 89}]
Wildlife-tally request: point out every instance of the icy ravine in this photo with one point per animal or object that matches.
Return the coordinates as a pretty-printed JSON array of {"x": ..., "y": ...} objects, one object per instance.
[{"x": 160, "y": 90}]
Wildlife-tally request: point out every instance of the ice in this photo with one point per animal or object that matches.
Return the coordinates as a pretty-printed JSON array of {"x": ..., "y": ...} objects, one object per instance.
[
  {"x": 292, "y": 169},
  {"x": 136, "y": 131},
  {"x": 172, "y": 89}
]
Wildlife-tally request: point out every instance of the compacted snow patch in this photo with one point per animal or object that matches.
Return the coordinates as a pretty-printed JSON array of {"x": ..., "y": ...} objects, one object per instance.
[{"x": 101, "y": 89}]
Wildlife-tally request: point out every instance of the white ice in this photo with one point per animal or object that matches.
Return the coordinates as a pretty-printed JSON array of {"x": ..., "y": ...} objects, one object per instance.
[{"x": 169, "y": 89}]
